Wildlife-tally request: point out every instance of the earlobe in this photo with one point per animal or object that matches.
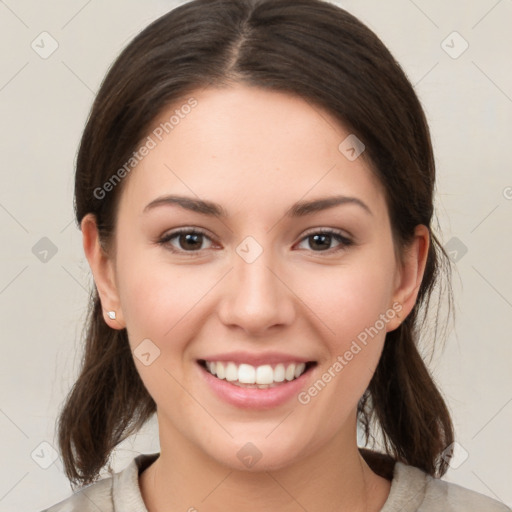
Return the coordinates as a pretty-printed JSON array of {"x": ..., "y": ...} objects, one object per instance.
[
  {"x": 102, "y": 268},
  {"x": 410, "y": 275}
]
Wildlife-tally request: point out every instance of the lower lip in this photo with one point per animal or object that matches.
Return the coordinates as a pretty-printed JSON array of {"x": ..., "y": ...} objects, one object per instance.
[{"x": 255, "y": 398}]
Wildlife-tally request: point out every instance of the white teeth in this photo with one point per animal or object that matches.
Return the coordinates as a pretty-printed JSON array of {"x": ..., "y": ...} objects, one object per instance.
[
  {"x": 246, "y": 374},
  {"x": 290, "y": 372},
  {"x": 299, "y": 369},
  {"x": 231, "y": 372},
  {"x": 261, "y": 376},
  {"x": 279, "y": 373},
  {"x": 219, "y": 370},
  {"x": 264, "y": 374}
]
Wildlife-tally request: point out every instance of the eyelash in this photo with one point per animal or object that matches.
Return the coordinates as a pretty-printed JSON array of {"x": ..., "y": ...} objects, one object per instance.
[{"x": 164, "y": 241}]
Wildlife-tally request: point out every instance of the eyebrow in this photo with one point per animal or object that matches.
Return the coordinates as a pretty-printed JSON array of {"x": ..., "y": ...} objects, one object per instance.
[{"x": 299, "y": 209}]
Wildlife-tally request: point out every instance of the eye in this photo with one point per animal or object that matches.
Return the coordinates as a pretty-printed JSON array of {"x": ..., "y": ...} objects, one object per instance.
[
  {"x": 324, "y": 238},
  {"x": 188, "y": 240}
]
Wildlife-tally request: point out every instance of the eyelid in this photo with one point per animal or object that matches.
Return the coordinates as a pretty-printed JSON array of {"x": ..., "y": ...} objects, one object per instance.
[{"x": 332, "y": 231}]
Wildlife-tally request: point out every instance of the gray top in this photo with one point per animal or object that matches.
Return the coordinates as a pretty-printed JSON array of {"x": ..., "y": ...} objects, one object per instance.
[{"x": 411, "y": 490}]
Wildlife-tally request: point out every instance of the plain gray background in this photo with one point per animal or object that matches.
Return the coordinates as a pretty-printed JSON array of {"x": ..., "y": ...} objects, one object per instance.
[{"x": 44, "y": 103}]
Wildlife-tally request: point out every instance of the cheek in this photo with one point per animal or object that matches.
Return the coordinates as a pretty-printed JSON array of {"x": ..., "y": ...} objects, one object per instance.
[
  {"x": 158, "y": 305},
  {"x": 157, "y": 296},
  {"x": 349, "y": 299},
  {"x": 349, "y": 303}
]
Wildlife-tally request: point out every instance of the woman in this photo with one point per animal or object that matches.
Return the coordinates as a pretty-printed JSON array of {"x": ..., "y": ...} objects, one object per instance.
[{"x": 255, "y": 192}]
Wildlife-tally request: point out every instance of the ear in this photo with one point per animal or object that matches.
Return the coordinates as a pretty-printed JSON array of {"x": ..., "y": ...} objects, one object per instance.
[
  {"x": 102, "y": 268},
  {"x": 408, "y": 277}
]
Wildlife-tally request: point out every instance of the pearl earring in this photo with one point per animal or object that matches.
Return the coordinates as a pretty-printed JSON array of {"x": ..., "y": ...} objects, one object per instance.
[{"x": 112, "y": 315}]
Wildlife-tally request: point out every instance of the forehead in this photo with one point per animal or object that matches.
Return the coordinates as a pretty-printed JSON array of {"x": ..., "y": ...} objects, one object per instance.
[{"x": 251, "y": 147}]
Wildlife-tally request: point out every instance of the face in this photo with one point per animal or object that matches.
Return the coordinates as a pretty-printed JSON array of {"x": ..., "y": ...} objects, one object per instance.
[{"x": 266, "y": 284}]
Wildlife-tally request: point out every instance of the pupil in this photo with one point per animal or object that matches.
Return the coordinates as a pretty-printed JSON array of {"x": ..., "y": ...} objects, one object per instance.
[
  {"x": 323, "y": 237},
  {"x": 191, "y": 238}
]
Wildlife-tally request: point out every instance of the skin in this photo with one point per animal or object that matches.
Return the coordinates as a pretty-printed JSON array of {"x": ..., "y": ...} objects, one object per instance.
[{"x": 256, "y": 153}]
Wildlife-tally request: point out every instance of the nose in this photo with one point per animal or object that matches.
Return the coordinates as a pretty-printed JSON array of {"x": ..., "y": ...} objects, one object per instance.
[{"x": 256, "y": 296}]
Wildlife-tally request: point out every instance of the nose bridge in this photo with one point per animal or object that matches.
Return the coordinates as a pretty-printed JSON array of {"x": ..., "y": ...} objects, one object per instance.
[{"x": 257, "y": 299}]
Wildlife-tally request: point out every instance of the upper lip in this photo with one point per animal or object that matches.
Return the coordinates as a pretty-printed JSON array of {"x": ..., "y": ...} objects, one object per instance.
[{"x": 257, "y": 359}]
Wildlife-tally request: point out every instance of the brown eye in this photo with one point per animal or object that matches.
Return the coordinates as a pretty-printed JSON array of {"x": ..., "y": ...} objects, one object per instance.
[
  {"x": 323, "y": 240},
  {"x": 187, "y": 240}
]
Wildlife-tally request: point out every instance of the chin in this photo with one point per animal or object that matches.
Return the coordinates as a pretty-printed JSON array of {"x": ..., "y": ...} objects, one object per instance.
[{"x": 256, "y": 455}]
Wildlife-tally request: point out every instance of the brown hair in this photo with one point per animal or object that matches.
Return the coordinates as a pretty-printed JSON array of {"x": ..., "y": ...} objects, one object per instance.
[{"x": 309, "y": 48}]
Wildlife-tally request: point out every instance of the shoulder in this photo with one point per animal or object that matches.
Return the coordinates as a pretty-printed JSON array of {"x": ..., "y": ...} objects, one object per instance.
[
  {"x": 94, "y": 497},
  {"x": 458, "y": 498},
  {"x": 118, "y": 493},
  {"x": 415, "y": 490}
]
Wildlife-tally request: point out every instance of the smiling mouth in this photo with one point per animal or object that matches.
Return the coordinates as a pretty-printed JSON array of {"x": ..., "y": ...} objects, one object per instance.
[{"x": 262, "y": 377}]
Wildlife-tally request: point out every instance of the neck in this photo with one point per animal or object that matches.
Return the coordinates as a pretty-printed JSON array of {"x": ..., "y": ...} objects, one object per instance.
[{"x": 334, "y": 477}]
